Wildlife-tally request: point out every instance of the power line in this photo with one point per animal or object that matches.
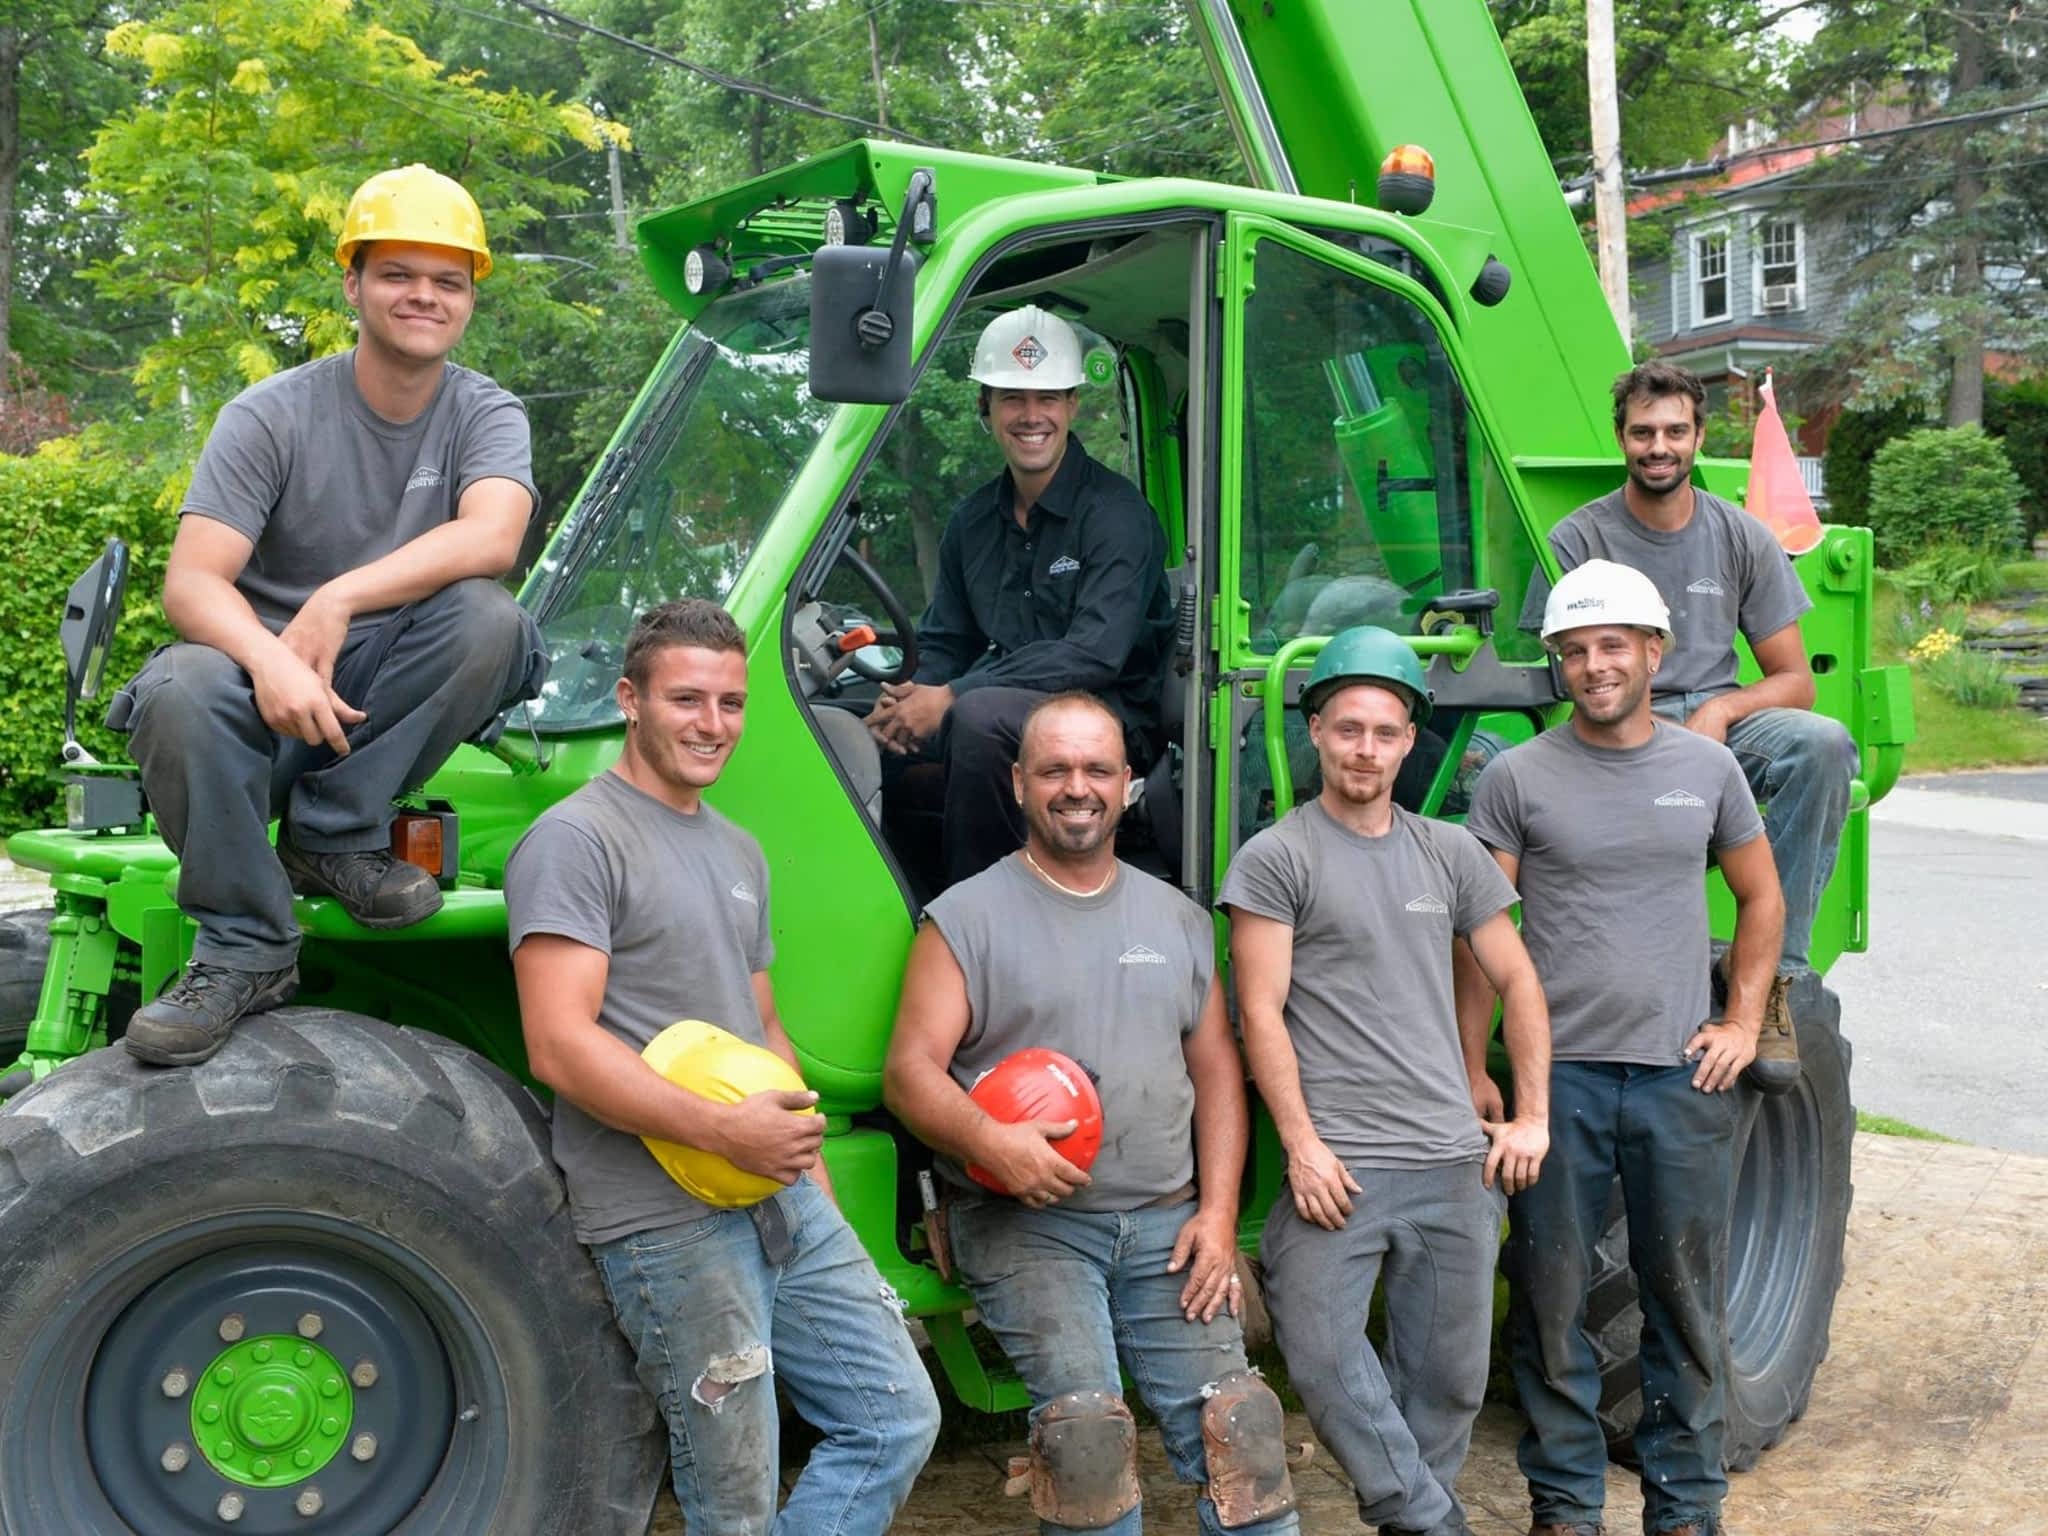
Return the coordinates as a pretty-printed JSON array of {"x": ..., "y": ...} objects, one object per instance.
[{"x": 715, "y": 76}]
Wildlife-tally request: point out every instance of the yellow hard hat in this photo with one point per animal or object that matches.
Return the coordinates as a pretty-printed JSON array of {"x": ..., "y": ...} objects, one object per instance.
[
  {"x": 715, "y": 1064},
  {"x": 416, "y": 204}
]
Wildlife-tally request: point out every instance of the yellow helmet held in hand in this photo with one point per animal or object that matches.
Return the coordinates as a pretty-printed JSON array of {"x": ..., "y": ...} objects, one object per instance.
[
  {"x": 718, "y": 1065},
  {"x": 420, "y": 206}
]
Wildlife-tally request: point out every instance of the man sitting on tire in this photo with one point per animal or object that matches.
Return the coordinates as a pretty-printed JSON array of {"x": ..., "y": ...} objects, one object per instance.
[
  {"x": 334, "y": 580},
  {"x": 1604, "y": 824},
  {"x": 1720, "y": 573},
  {"x": 632, "y": 905},
  {"x": 1341, "y": 924},
  {"x": 1060, "y": 946}
]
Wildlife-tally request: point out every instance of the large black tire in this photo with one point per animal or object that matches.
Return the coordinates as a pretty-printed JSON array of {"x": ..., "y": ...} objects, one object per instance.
[
  {"x": 391, "y": 1184},
  {"x": 1791, "y": 1214},
  {"x": 24, "y": 947}
]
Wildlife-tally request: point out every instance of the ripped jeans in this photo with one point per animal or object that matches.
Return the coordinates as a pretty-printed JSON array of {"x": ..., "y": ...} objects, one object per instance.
[
  {"x": 1069, "y": 1293},
  {"x": 715, "y": 1328}
]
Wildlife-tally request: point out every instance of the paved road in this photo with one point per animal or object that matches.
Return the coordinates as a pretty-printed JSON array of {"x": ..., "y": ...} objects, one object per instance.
[{"x": 1949, "y": 1009}]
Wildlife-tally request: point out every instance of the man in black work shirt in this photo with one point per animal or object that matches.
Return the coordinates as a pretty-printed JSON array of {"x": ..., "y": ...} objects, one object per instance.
[{"x": 1051, "y": 577}]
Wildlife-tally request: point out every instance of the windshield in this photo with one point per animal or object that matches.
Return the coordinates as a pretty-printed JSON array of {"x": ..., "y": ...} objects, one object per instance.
[{"x": 685, "y": 496}]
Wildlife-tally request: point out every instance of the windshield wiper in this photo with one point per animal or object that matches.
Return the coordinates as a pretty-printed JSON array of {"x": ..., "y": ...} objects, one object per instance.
[{"x": 613, "y": 475}]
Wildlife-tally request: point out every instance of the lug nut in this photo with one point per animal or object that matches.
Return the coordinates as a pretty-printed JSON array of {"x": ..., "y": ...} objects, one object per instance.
[
  {"x": 363, "y": 1447},
  {"x": 176, "y": 1383},
  {"x": 230, "y": 1507},
  {"x": 365, "y": 1374},
  {"x": 310, "y": 1326},
  {"x": 308, "y": 1503},
  {"x": 231, "y": 1330},
  {"x": 176, "y": 1457}
]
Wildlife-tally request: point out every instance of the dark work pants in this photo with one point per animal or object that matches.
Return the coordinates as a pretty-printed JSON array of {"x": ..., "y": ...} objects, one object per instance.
[
  {"x": 430, "y": 675},
  {"x": 1673, "y": 1148},
  {"x": 978, "y": 744}
]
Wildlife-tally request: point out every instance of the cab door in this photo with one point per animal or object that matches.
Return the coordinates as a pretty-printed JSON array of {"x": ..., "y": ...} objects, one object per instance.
[{"x": 1357, "y": 485}]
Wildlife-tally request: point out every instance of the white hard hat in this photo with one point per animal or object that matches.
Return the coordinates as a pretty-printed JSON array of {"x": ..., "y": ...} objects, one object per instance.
[
  {"x": 1027, "y": 349},
  {"x": 1604, "y": 592}
]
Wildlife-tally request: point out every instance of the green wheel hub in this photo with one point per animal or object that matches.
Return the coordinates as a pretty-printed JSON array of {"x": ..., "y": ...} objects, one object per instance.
[{"x": 271, "y": 1410}]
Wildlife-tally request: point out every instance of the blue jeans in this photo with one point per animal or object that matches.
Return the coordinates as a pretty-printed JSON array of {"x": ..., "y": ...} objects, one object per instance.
[
  {"x": 1673, "y": 1148},
  {"x": 1799, "y": 765},
  {"x": 715, "y": 1328},
  {"x": 1400, "y": 1422},
  {"x": 1069, "y": 1293}
]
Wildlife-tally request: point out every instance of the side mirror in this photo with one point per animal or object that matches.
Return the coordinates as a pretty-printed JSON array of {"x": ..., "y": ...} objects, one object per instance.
[
  {"x": 857, "y": 290},
  {"x": 861, "y": 308},
  {"x": 92, "y": 610}
]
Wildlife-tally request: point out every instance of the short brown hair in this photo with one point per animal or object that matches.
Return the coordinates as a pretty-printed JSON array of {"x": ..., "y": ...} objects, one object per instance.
[
  {"x": 1654, "y": 381},
  {"x": 693, "y": 621},
  {"x": 1072, "y": 698}
]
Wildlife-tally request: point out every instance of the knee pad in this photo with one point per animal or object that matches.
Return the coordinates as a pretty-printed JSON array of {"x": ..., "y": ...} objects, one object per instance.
[
  {"x": 1244, "y": 1437},
  {"x": 1084, "y": 1460}
]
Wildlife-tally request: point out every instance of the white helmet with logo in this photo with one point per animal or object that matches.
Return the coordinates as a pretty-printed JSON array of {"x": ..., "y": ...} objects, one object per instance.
[
  {"x": 1604, "y": 592},
  {"x": 1027, "y": 349}
]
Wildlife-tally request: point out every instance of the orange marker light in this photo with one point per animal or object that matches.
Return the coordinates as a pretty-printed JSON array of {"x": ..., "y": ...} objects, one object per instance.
[
  {"x": 417, "y": 840},
  {"x": 1407, "y": 179}
]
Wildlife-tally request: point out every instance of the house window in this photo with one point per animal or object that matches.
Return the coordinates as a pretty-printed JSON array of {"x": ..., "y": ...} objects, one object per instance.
[
  {"x": 1778, "y": 274},
  {"x": 1710, "y": 277}
]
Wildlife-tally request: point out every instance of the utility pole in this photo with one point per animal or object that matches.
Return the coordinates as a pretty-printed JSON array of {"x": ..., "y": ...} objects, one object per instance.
[
  {"x": 618, "y": 197},
  {"x": 1610, "y": 211}
]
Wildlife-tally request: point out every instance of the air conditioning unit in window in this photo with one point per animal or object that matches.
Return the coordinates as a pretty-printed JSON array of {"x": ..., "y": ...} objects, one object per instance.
[{"x": 1780, "y": 295}]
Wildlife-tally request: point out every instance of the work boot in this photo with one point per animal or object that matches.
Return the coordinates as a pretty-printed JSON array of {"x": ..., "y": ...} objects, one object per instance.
[
  {"x": 191, "y": 1021},
  {"x": 374, "y": 888},
  {"x": 1776, "y": 1067}
]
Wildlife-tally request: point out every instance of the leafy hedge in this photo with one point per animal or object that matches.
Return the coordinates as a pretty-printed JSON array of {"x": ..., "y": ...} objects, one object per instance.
[
  {"x": 1853, "y": 441},
  {"x": 1941, "y": 486},
  {"x": 58, "y": 508},
  {"x": 2017, "y": 415}
]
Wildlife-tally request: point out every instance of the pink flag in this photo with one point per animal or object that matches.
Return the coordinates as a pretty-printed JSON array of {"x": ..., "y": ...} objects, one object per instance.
[{"x": 1777, "y": 496}]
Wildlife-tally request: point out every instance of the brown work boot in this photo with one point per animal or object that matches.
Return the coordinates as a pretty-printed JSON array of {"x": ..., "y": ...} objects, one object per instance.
[
  {"x": 374, "y": 888},
  {"x": 1776, "y": 1067}
]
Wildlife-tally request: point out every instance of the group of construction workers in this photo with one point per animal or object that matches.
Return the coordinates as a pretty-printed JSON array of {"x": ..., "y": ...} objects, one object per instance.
[{"x": 334, "y": 582}]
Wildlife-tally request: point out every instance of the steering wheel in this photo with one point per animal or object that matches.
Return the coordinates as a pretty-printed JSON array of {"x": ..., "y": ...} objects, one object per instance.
[{"x": 902, "y": 633}]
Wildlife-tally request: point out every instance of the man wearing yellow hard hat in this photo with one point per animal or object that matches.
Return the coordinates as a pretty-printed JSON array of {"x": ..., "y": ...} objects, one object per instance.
[
  {"x": 334, "y": 582},
  {"x": 690, "y": 1149}
]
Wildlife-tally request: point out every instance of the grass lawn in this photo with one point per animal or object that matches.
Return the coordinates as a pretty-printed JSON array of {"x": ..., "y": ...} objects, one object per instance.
[
  {"x": 1885, "y": 1125},
  {"x": 1951, "y": 736}
]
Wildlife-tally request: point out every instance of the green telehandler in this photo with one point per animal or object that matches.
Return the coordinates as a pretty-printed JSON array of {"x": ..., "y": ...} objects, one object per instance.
[{"x": 326, "y": 1281}]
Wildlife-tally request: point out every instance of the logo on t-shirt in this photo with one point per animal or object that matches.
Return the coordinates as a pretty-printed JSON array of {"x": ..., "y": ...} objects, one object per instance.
[
  {"x": 1141, "y": 954},
  {"x": 745, "y": 892},
  {"x": 1428, "y": 903},
  {"x": 1066, "y": 565},
  {"x": 425, "y": 478},
  {"x": 1706, "y": 586},
  {"x": 1681, "y": 797}
]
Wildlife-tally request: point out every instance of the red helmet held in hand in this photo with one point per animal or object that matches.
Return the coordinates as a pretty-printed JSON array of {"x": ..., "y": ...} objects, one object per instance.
[{"x": 1040, "y": 1084}]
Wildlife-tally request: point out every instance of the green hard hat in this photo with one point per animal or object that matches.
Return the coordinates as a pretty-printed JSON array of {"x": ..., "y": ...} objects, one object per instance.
[{"x": 1365, "y": 653}]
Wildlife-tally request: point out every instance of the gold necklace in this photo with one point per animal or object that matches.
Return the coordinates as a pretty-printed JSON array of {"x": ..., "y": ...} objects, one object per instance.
[{"x": 1056, "y": 885}]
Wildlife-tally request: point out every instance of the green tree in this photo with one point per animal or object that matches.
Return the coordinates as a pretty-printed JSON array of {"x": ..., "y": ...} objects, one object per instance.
[
  {"x": 230, "y": 176},
  {"x": 56, "y": 83},
  {"x": 1683, "y": 72},
  {"x": 1950, "y": 223}
]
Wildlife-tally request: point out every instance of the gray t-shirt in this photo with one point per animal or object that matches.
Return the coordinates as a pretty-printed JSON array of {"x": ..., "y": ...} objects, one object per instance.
[
  {"x": 1722, "y": 572},
  {"x": 322, "y": 484},
  {"x": 1116, "y": 981},
  {"x": 680, "y": 904},
  {"x": 1613, "y": 845},
  {"x": 1369, "y": 1005}
]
